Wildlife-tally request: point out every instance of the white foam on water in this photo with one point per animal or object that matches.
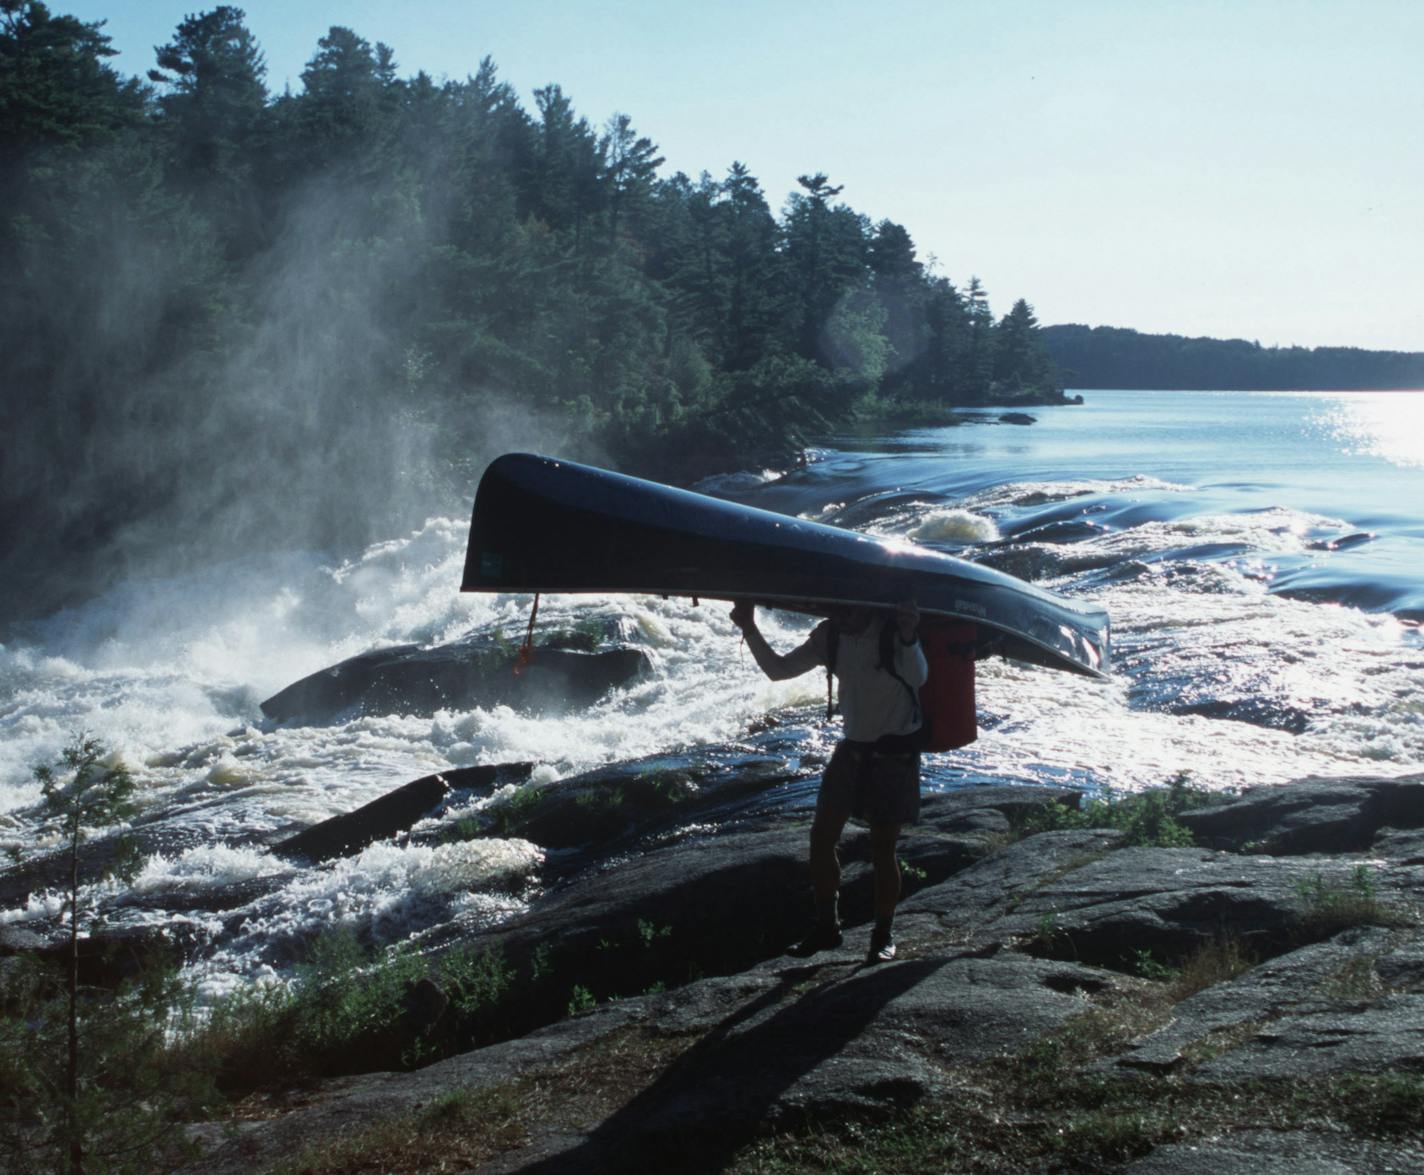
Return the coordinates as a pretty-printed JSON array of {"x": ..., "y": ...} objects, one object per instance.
[
  {"x": 207, "y": 866},
  {"x": 1352, "y": 673},
  {"x": 953, "y": 526},
  {"x": 1270, "y": 532},
  {"x": 704, "y": 689},
  {"x": 384, "y": 894},
  {"x": 160, "y": 664}
]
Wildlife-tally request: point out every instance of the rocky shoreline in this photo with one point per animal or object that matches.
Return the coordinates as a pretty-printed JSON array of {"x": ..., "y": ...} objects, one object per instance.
[{"x": 1063, "y": 1000}]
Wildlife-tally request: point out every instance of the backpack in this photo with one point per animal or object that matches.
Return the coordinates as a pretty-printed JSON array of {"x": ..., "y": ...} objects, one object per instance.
[{"x": 945, "y": 703}]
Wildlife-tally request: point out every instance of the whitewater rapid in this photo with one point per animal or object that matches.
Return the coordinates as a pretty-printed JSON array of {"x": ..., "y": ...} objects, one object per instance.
[{"x": 1222, "y": 672}]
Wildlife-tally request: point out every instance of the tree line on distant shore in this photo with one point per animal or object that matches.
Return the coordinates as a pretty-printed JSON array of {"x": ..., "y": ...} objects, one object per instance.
[
  {"x": 207, "y": 291},
  {"x": 1112, "y": 357}
]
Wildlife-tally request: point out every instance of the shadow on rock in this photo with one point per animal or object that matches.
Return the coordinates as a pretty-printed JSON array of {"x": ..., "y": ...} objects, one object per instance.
[{"x": 761, "y": 1067}]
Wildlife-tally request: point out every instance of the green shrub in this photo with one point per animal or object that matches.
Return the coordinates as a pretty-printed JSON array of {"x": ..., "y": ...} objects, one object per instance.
[
  {"x": 348, "y": 1010},
  {"x": 342, "y": 998},
  {"x": 476, "y": 981},
  {"x": 580, "y": 999},
  {"x": 650, "y": 932},
  {"x": 1144, "y": 818},
  {"x": 1147, "y": 965}
]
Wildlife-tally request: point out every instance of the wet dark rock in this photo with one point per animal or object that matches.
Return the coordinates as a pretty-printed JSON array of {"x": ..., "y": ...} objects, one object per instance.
[
  {"x": 718, "y": 903},
  {"x": 479, "y": 671},
  {"x": 351, "y": 832},
  {"x": 100, "y": 856},
  {"x": 1170, "y": 903},
  {"x": 1381, "y": 1035},
  {"x": 671, "y": 913},
  {"x": 1247, "y": 683},
  {"x": 1271, "y": 713},
  {"x": 200, "y": 898},
  {"x": 1342, "y": 967},
  {"x": 395, "y": 812},
  {"x": 107, "y": 852},
  {"x": 1017, "y": 418},
  {"x": 1003, "y": 943},
  {"x": 632, "y": 799},
  {"x": 1312, "y": 815}
]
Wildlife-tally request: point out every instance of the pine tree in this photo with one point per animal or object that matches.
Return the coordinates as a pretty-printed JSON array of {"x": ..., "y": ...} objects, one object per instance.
[
  {"x": 900, "y": 289},
  {"x": 212, "y": 115},
  {"x": 630, "y": 164},
  {"x": 974, "y": 377},
  {"x": 568, "y": 164},
  {"x": 56, "y": 88},
  {"x": 339, "y": 115},
  {"x": 216, "y": 97},
  {"x": 811, "y": 260},
  {"x": 83, "y": 794},
  {"x": 751, "y": 242},
  {"x": 1020, "y": 362}
]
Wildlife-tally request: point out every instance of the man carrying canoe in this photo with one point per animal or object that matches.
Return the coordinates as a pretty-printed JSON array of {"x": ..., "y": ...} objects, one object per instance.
[{"x": 874, "y": 772}]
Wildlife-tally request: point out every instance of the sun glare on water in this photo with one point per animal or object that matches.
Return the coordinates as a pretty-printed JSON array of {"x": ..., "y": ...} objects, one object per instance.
[{"x": 1389, "y": 425}]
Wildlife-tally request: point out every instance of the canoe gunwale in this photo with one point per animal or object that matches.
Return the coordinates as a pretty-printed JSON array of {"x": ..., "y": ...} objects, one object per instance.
[
  {"x": 814, "y": 606},
  {"x": 546, "y": 525}
]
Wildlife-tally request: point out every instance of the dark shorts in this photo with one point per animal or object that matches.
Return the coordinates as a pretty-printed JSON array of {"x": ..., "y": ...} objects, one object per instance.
[{"x": 873, "y": 786}]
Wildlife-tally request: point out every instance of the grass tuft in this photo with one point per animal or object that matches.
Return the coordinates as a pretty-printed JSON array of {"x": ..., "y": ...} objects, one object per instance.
[{"x": 1330, "y": 907}]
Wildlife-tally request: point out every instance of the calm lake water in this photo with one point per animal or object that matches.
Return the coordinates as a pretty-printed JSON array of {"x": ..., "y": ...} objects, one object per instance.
[{"x": 1262, "y": 557}]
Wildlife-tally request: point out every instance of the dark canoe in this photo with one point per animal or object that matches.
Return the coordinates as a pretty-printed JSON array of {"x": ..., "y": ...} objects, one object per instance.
[{"x": 543, "y": 525}]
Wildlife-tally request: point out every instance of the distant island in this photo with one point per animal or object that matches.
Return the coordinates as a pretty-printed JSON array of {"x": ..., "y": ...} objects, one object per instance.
[{"x": 1114, "y": 357}]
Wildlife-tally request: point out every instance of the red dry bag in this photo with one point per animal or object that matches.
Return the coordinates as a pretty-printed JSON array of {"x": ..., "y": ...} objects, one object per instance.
[{"x": 947, "y": 697}]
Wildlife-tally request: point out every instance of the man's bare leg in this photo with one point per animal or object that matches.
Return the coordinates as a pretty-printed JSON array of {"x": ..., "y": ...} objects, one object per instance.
[
  {"x": 825, "y": 881},
  {"x": 825, "y": 860}
]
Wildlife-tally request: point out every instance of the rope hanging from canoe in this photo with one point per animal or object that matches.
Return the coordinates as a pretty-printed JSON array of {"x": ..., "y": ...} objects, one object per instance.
[{"x": 526, "y": 650}]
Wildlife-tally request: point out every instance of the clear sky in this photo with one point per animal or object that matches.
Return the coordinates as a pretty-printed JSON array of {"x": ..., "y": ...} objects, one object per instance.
[{"x": 1236, "y": 168}]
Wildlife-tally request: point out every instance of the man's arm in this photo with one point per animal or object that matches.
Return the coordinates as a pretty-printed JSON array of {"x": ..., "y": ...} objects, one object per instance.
[{"x": 777, "y": 666}]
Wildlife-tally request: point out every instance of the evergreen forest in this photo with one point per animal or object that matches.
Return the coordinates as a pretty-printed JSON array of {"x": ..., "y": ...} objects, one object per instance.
[
  {"x": 230, "y": 318},
  {"x": 1113, "y": 357}
]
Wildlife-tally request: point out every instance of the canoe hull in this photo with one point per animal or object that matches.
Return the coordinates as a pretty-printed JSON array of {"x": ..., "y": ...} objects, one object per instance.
[{"x": 546, "y": 525}]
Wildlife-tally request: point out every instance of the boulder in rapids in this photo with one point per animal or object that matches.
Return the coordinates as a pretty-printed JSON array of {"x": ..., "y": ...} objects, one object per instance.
[
  {"x": 394, "y": 812},
  {"x": 410, "y": 679}
]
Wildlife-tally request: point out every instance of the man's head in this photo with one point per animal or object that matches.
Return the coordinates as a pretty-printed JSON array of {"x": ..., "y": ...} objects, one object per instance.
[{"x": 850, "y": 620}]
